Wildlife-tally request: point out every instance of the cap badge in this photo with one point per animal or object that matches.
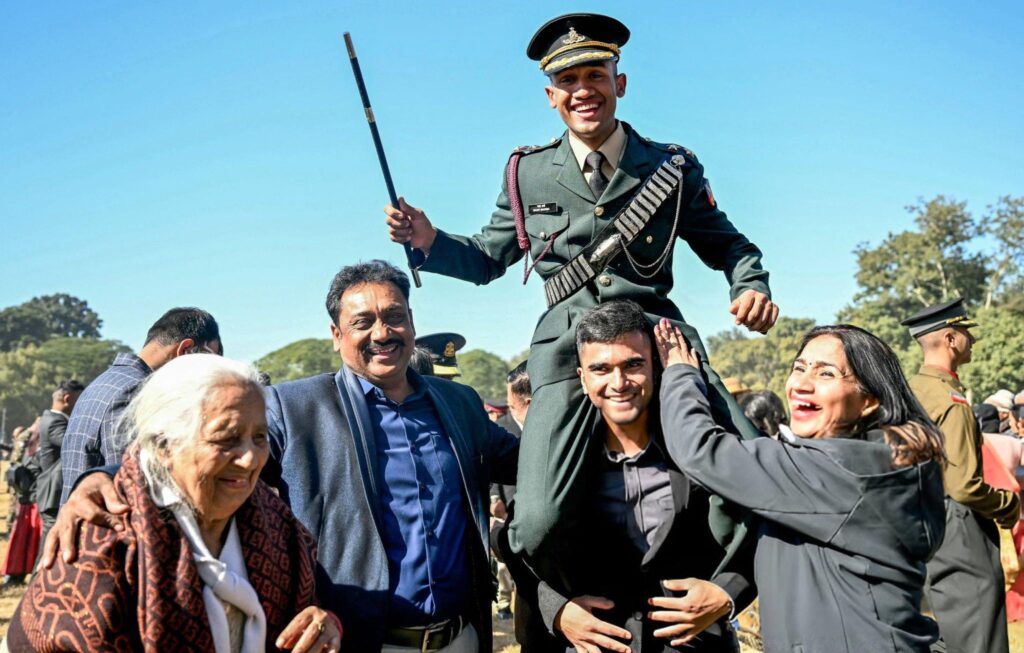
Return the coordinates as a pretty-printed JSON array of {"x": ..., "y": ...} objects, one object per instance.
[
  {"x": 449, "y": 350},
  {"x": 573, "y": 37}
]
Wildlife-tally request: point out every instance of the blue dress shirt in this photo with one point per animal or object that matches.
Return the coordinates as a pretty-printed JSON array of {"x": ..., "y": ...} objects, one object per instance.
[{"x": 423, "y": 511}]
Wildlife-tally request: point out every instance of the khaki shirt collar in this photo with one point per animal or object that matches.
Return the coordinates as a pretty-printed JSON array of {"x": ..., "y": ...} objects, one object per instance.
[
  {"x": 612, "y": 149},
  {"x": 941, "y": 374}
]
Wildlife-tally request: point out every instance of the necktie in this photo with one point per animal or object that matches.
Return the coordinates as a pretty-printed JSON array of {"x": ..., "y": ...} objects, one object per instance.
[{"x": 598, "y": 182}]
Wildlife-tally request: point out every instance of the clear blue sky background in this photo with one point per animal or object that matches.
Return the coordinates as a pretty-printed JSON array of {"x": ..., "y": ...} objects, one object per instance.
[{"x": 215, "y": 153}]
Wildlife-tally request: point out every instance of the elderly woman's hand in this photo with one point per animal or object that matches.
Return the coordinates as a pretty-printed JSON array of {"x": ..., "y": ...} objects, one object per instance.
[
  {"x": 311, "y": 631},
  {"x": 672, "y": 346}
]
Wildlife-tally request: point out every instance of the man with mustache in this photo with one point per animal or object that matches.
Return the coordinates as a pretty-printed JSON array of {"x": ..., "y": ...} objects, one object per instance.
[
  {"x": 598, "y": 210},
  {"x": 390, "y": 472}
]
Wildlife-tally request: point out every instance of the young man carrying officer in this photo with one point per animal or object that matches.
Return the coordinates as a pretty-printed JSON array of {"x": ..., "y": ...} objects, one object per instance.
[{"x": 598, "y": 211}]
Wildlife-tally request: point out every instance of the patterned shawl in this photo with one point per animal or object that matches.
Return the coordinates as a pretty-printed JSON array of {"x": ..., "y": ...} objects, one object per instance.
[{"x": 139, "y": 590}]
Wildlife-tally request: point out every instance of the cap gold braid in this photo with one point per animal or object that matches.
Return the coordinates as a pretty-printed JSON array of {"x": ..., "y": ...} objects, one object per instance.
[{"x": 575, "y": 46}]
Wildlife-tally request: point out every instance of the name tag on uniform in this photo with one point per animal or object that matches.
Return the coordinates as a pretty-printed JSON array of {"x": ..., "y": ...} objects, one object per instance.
[{"x": 548, "y": 207}]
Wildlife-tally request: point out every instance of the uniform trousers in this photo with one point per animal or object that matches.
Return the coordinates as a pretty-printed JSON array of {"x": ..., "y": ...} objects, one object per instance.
[{"x": 965, "y": 584}]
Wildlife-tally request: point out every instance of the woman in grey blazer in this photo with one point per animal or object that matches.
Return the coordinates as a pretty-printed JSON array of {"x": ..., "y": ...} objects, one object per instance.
[{"x": 849, "y": 513}]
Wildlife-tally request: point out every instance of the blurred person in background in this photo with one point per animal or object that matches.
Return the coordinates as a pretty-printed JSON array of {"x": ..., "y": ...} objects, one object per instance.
[{"x": 765, "y": 410}]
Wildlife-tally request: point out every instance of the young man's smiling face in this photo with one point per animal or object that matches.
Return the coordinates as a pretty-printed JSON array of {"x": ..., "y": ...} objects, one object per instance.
[
  {"x": 618, "y": 377},
  {"x": 585, "y": 98}
]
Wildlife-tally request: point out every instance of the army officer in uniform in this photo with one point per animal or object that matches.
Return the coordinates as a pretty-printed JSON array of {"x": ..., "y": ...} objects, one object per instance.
[
  {"x": 559, "y": 210},
  {"x": 965, "y": 578}
]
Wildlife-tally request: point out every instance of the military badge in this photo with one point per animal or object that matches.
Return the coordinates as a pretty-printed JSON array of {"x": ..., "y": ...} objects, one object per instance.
[
  {"x": 958, "y": 398},
  {"x": 449, "y": 349}
]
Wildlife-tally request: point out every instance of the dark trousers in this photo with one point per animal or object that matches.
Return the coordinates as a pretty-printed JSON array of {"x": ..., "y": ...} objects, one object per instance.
[
  {"x": 48, "y": 522},
  {"x": 965, "y": 584}
]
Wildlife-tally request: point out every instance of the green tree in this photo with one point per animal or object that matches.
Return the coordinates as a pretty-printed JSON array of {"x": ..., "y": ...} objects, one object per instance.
[
  {"x": 29, "y": 375},
  {"x": 997, "y": 359},
  {"x": 300, "y": 359},
  {"x": 1004, "y": 223},
  {"x": 484, "y": 372},
  {"x": 41, "y": 318},
  {"x": 762, "y": 362}
]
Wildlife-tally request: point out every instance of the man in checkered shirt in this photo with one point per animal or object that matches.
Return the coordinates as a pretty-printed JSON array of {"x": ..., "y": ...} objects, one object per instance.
[{"x": 91, "y": 439}]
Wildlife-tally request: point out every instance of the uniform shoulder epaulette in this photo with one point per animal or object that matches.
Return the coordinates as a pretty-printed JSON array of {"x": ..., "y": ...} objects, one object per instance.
[
  {"x": 672, "y": 148},
  {"x": 530, "y": 149}
]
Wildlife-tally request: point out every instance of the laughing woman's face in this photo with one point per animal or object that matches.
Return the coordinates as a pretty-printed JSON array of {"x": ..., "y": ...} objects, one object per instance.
[{"x": 825, "y": 399}]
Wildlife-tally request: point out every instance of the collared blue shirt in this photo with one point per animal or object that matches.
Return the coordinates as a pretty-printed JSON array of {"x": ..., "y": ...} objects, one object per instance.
[
  {"x": 90, "y": 439},
  {"x": 424, "y": 522}
]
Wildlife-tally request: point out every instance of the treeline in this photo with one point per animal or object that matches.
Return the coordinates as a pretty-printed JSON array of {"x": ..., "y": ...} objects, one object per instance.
[
  {"x": 42, "y": 341},
  {"x": 949, "y": 253}
]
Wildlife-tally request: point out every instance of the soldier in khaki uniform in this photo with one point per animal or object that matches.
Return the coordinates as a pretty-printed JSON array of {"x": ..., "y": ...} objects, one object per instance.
[{"x": 965, "y": 579}]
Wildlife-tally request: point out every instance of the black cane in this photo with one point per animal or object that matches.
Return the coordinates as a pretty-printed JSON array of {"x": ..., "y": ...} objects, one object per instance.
[{"x": 377, "y": 144}]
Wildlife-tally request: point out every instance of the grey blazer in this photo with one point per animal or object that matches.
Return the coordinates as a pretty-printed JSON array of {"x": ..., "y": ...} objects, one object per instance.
[
  {"x": 322, "y": 453},
  {"x": 841, "y": 550}
]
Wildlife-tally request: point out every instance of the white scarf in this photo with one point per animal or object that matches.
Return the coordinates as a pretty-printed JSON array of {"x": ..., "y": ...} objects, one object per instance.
[{"x": 225, "y": 581}]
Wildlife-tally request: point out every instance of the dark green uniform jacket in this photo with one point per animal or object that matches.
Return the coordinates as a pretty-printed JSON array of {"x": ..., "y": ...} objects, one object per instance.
[{"x": 550, "y": 174}]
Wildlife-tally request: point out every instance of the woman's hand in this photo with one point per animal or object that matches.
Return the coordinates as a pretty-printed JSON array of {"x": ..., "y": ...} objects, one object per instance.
[
  {"x": 672, "y": 346},
  {"x": 311, "y": 631},
  {"x": 703, "y": 604}
]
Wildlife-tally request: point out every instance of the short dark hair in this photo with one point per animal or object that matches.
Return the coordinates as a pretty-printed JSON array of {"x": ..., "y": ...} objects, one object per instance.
[
  {"x": 422, "y": 361},
  {"x": 878, "y": 372},
  {"x": 987, "y": 416},
  {"x": 67, "y": 386},
  {"x": 375, "y": 271},
  {"x": 608, "y": 322},
  {"x": 765, "y": 410},
  {"x": 519, "y": 381},
  {"x": 180, "y": 323}
]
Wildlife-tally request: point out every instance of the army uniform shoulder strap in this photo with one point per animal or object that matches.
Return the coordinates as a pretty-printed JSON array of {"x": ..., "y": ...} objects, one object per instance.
[{"x": 515, "y": 199}]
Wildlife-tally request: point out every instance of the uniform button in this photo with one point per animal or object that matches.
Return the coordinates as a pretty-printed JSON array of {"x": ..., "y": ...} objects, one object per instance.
[
  {"x": 543, "y": 235},
  {"x": 599, "y": 211},
  {"x": 649, "y": 240},
  {"x": 604, "y": 280}
]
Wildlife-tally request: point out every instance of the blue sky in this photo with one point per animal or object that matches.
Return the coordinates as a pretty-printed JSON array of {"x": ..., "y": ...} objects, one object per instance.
[{"x": 215, "y": 154}]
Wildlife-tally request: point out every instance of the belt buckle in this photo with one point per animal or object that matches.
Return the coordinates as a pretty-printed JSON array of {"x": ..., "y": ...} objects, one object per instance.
[{"x": 430, "y": 630}]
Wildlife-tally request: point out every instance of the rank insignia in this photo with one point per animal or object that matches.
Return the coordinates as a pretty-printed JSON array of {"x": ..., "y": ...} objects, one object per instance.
[
  {"x": 958, "y": 398},
  {"x": 707, "y": 191},
  {"x": 449, "y": 349}
]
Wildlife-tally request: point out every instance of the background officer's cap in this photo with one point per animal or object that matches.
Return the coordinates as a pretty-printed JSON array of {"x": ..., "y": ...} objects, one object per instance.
[
  {"x": 442, "y": 348},
  {"x": 939, "y": 316},
  {"x": 576, "y": 39}
]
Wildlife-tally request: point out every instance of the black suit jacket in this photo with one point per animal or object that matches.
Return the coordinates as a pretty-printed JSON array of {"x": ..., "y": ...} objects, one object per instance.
[
  {"x": 52, "y": 426},
  {"x": 599, "y": 562}
]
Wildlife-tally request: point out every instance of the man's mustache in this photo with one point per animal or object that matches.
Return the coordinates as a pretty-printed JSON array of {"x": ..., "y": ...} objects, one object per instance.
[{"x": 373, "y": 347}]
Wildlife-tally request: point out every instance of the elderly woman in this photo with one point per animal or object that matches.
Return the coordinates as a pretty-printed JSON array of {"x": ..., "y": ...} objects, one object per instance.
[
  {"x": 850, "y": 512},
  {"x": 208, "y": 558}
]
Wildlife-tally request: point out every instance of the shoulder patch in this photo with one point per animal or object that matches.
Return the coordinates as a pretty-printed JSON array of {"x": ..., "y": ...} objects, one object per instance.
[
  {"x": 958, "y": 398},
  {"x": 530, "y": 149}
]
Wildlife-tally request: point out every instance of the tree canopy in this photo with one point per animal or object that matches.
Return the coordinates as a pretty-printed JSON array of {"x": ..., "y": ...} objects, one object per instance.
[
  {"x": 300, "y": 359},
  {"x": 484, "y": 372},
  {"x": 41, "y": 318},
  {"x": 29, "y": 375}
]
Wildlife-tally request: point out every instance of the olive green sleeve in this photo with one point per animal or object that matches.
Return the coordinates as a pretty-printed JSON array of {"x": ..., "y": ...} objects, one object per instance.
[
  {"x": 963, "y": 477},
  {"x": 718, "y": 243}
]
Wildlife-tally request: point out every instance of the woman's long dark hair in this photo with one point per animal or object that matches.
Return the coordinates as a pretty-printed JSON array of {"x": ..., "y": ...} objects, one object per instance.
[{"x": 909, "y": 432}]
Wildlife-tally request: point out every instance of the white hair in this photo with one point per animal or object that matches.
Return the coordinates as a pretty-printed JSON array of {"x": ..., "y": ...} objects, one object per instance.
[{"x": 167, "y": 412}]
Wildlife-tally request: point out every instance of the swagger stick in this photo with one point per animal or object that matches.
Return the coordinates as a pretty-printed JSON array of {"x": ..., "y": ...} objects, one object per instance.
[{"x": 377, "y": 144}]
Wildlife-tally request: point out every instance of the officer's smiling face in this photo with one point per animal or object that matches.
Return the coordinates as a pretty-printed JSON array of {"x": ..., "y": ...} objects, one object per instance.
[
  {"x": 618, "y": 377},
  {"x": 374, "y": 333},
  {"x": 585, "y": 98}
]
